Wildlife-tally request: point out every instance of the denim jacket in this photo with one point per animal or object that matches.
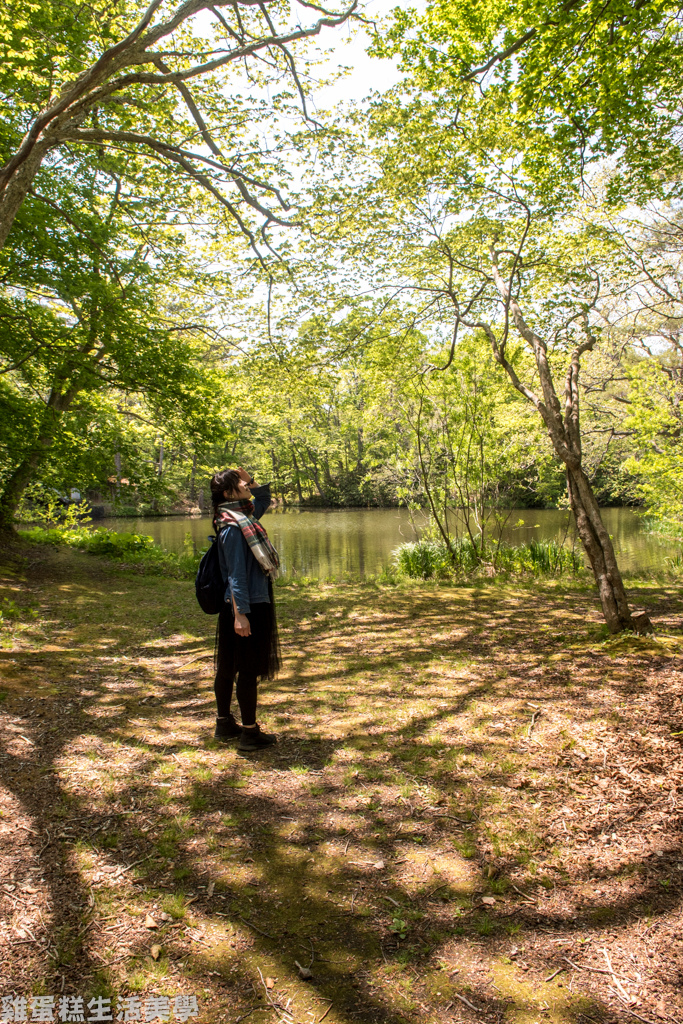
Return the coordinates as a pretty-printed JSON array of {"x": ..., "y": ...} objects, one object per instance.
[{"x": 241, "y": 571}]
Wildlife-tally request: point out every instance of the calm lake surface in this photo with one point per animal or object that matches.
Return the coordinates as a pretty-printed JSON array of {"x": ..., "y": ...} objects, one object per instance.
[{"x": 359, "y": 541}]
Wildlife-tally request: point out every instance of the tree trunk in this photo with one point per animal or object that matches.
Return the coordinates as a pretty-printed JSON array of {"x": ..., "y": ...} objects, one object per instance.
[
  {"x": 14, "y": 193},
  {"x": 117, "y": 464},
  {"x": 316, "y": 477},
  {"x": 21, "y": 476},
  {"x": 17, "y": 483},
  {"x": 565, "y": 434},
  {"x": 279, "y": 488},
  {"x": 193, "y": 478},
  {"x": 598, "y": 547},
  {"x": 297, "y": 477},
  {"x": 360, "y": 451}
]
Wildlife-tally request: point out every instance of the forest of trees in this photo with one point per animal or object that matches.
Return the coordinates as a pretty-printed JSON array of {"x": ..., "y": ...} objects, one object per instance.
[{"x": 467, "y": 289}]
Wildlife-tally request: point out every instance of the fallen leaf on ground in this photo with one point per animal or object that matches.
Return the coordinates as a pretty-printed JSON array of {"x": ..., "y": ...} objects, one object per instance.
[
  {"x": 155, "y": 951},
  {"x": 150, "y": 922},
  {"x": 270, "y": 983},
  {"x": 488, "y": 900}
]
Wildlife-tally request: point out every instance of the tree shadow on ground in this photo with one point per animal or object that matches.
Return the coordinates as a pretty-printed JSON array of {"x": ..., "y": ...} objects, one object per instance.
[{"x": 371, "y": 839}]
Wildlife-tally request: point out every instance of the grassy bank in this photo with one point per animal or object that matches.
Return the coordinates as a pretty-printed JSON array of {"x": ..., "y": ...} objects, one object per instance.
[
  {"x": 473, "y": 808},
  {"x": 423, "y": 559},
  {"x": 133, "y": 549},
  {"x": 420, "y": 560}
]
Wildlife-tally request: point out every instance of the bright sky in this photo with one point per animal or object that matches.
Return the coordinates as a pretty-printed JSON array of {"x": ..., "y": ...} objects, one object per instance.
[{"x": 346, "y": 46}]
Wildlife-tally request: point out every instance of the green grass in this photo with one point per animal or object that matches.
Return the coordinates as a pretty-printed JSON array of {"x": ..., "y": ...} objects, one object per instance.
[
  {"x": 675, "y": 563},
  {"x": 428, "y": 559},
  {"x": 132, "y": 548}
]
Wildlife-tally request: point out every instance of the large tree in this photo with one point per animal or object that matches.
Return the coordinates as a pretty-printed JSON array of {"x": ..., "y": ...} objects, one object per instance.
[
  {"x": 184, "y": 85},
  {"x": 482, "y": 160},
  {"x": 451, "y": 214},
  {"x": 90, "y": 305},
  {"x": 484, "y": 259}
]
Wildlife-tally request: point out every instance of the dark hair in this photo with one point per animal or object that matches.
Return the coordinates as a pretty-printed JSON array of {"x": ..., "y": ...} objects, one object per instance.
[{"x": 227, "y": 480}]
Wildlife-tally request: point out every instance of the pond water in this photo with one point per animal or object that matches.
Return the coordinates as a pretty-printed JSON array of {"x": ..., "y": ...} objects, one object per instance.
[{"x": 328, "y": 543}]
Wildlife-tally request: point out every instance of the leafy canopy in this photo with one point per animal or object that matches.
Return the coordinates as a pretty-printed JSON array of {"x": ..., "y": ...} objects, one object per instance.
[{"x": 578, "y": 80}]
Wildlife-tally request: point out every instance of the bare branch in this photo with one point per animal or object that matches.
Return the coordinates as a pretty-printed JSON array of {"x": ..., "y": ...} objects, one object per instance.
[{"x": 183, "y": 158}]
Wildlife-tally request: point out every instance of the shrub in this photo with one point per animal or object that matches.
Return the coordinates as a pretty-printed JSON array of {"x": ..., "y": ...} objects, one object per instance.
[
  {"x": 422, "y": 560},
  {"x": 429, "y": 559},
  {"x": 132, "y": 548},
  {"x": 51, "y": 510},
  {"x": 675, "y": 563},
  {"x": 541, "y": 558}
]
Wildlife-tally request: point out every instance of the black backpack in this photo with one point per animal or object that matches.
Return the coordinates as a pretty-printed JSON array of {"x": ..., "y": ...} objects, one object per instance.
[{"x": 208, "y": 583}]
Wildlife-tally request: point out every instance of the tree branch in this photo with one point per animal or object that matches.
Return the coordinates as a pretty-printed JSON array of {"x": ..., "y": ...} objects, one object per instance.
[
  {"x": 517, "y": 44},
  {"x": 73, "y": 90},
  {"x": 502, "y": 55},
  {"x": 83, "y": 94},
  {"x": 536, "y": 343},
  {"x": 571, "y": 404},
  {"x": 184, "y": 158},
  {"x": 69, "y": 220}
]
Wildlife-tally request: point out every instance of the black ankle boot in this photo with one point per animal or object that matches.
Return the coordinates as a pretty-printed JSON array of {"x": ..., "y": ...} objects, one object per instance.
[
  {"x": 254, "y": 739},
  {"x": 227, "y": 728}
]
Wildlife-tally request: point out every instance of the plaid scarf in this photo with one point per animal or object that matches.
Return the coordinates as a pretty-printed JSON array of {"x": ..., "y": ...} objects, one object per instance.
[{"x": 242, "y": 514}]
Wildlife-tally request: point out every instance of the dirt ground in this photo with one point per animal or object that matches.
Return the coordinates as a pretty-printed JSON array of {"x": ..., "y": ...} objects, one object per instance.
[{"x": 473, "y": 813}]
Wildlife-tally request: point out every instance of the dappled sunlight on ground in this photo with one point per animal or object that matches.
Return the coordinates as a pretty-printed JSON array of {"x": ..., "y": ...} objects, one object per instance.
[{"x": 472, "y": 812}]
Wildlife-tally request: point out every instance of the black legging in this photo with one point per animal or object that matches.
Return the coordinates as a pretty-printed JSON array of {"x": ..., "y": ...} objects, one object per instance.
[
  {"x": 246, "y": 689},
  {"x": 246, "y": 692}
]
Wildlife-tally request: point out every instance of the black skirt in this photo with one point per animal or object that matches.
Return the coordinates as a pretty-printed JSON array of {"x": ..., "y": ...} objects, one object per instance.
[{"x": 257, "y": 655}]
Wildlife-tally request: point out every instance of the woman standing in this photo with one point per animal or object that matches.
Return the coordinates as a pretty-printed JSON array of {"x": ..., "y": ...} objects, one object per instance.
[{"x": 247, "y": 641}]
